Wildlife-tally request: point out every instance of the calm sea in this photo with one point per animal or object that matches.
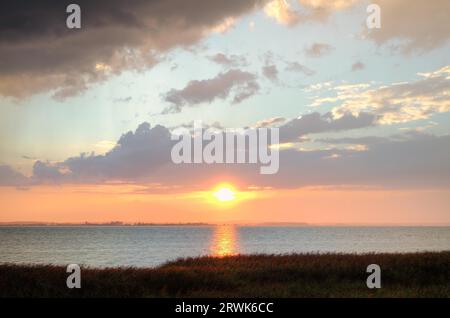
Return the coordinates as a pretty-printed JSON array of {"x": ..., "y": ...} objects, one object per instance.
[{"x": 153, "y": 245}]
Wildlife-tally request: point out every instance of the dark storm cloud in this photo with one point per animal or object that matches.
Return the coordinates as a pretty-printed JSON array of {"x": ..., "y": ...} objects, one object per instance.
[{"x": 39, "y": 53}]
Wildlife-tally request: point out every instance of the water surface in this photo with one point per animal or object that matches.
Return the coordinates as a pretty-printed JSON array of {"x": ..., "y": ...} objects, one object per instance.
[{"x": 154, "y": 245}]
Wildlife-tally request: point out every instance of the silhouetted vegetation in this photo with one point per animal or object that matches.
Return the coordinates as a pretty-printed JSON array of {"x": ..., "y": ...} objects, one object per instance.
[{"x": 296, "y": 275}]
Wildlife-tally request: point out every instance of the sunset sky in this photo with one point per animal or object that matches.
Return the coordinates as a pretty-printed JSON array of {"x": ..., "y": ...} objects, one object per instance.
[{"x": 86, "y": 114}]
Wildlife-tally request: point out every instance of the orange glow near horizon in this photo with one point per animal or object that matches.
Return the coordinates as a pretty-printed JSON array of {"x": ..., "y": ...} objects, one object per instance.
[{"x": 133, "y": 204}]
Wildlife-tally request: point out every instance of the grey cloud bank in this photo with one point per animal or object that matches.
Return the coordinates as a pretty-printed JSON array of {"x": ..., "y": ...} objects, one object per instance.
[{"x": 143, "y": 156}]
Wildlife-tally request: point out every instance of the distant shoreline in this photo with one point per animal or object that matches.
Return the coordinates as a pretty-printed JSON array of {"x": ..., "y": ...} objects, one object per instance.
[
  {"x": 422, "y": 274},
  {"x": 31, "y": 224}
]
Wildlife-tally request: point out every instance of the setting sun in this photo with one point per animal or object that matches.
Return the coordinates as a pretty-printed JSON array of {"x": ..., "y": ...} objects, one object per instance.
[{"x": 224, "y": 194}]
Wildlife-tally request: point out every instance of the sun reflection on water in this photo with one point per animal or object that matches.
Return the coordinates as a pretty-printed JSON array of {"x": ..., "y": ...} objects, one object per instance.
[{"x": 224, "y": 241}]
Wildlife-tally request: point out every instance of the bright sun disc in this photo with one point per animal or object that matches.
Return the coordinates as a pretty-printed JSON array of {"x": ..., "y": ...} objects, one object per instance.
[{"x": 224, "y": 194}]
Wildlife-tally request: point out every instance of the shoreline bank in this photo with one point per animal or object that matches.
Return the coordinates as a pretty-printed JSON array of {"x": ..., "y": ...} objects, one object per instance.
[{"x": 424, "y": 274}]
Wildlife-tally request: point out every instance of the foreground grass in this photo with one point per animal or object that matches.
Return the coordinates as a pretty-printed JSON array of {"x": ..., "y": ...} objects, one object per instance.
[{"x": 297, "y": 275}]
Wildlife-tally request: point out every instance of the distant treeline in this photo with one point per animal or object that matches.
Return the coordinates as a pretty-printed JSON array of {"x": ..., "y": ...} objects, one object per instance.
[{"x": 115, "y": 223}]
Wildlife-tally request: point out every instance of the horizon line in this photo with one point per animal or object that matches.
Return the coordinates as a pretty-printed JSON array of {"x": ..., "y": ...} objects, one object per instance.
[{"x": 234, "y": 223}]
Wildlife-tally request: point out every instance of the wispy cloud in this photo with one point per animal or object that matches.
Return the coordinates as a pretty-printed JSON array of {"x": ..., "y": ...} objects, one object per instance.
[
  {"x": 232, "y": 60},
  {"x": 299, "y": 68},
  {"x": 358, "y": 66},
  {"x": 318, "y": 49},
  {"x": 238, "y": 84},
  {"x": 398, "y": 102}
]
